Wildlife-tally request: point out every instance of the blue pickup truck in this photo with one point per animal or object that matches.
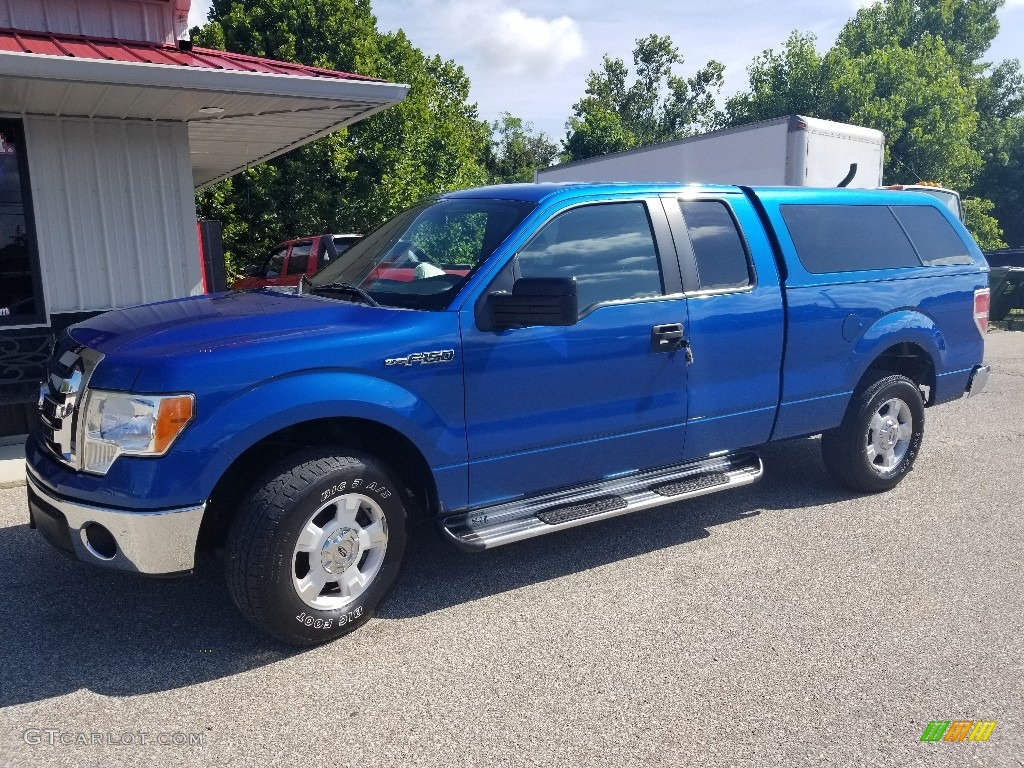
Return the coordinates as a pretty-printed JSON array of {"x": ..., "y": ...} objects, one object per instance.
[{"x": 509, "y": 361}]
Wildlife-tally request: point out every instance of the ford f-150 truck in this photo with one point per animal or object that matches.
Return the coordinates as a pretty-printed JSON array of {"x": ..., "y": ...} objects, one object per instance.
[{"x": 610, "y": 348}]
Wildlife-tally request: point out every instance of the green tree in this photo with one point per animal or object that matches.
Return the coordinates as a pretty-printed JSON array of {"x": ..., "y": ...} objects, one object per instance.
[
  {"x": 354, "y": 179},
  {"x": 981, "y": 223},
  {"x": 912, "y": 69},
  {"x": 966, "y": 27},
  {"x": 796, "y": 81},
  {"x": 657, "y": 106},
  {"x": 914, "y": 96},
  {"x": 432, "y": 142},
  {"x": 1001, "y": 143},
  {"x": 515, "y": 151}
]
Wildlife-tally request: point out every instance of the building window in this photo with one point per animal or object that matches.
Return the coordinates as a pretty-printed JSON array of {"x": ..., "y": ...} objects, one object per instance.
[{"x": 21, "y": 291}]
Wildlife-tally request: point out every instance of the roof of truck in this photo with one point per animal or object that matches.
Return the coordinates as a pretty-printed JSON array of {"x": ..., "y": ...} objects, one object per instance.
[{"x": 537, "y": 193}]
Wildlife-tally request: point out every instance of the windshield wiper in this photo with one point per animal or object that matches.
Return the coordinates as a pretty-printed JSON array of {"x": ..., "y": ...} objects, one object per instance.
[{"x": 349, "y": 288}]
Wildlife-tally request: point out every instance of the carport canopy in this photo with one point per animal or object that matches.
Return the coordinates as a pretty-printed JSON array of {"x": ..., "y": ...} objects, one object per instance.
[{"x": 240, "y": 110}]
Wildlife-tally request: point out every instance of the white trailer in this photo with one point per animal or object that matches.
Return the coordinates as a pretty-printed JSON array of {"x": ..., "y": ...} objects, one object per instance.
[{"x": 787, "y": 151}]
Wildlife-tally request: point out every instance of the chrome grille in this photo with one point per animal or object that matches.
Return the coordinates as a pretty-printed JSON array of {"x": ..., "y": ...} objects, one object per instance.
[{"x": 67, "y": 375}]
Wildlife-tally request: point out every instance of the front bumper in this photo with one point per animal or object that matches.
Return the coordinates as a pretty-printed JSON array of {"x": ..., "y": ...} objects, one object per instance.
[
  {"x": 150, "y": 542},
  {"x": 979, "y": 378}
]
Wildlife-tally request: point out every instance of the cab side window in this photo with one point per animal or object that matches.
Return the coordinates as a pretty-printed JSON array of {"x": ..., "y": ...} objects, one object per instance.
[
  {"x": 275, "y": 262},
  {"x": 608, "y": 247},
  {"x": 718, "y": 249},
  {"x": 298, "y": 259}
]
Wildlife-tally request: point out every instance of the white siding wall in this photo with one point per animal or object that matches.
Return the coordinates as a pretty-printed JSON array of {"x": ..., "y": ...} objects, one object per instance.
[
  {"x": 151, "y": 20},
  {"x": 114, "y": 211}
]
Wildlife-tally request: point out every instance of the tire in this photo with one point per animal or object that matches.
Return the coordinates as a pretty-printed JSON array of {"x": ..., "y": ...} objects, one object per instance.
[
  {"x": 316, "y": 546},
  {"x": 879, "y": 438}
]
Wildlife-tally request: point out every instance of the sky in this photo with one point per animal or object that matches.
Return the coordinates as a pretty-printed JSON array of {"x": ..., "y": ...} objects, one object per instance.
[{"x": 523, "y": 57}]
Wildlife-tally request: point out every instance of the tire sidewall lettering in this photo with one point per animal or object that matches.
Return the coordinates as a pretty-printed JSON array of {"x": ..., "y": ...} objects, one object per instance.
[
  {"x": 337, "y": 619},
  {"x": 359, "y": 485}
]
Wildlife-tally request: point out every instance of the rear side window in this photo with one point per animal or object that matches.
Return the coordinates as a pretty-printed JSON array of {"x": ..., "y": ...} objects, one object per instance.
[
  {"x": 608, "y": 248},
  {"x": 848, "y": 238},
  {"x": 935, "y": 239},
  {"x": 717, "y": 245}
]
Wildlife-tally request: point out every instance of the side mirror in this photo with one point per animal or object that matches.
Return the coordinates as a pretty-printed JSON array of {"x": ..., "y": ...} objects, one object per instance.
[
  {"x": 254, "y": 272},
  {"x": 535, "y": 301}
]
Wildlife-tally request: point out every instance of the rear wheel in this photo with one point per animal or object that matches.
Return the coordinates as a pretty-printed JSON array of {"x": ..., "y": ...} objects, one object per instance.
[
  {"x": 317, "y": 546},
  {"x": 879, "y": 438}
]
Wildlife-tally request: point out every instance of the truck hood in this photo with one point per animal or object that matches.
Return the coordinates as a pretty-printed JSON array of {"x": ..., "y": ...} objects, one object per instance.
[{"x": 218, "y": 320}]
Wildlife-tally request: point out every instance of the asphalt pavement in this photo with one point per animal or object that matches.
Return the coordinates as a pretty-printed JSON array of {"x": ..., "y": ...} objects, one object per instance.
[{"x": 784, "y": 624}]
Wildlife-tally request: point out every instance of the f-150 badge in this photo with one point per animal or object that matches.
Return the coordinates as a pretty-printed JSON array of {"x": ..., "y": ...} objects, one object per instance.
[{"x": 423, "y": 358}]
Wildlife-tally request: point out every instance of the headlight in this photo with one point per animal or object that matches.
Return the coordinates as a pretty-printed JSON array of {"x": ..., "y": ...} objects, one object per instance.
[{"x": 119, "y": 423}]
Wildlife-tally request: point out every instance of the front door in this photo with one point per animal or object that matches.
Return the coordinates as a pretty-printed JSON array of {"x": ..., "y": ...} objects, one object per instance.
[{"x": 550, "y": 407}]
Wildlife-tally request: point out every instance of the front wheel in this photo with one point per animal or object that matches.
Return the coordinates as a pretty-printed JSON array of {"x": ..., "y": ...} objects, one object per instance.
[
  {"x": 317, "y": 546},
  {"x": 879, "y": 438}
]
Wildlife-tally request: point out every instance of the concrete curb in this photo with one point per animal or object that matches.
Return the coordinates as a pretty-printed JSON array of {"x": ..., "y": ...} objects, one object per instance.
[{"x": 12, "y": 464}]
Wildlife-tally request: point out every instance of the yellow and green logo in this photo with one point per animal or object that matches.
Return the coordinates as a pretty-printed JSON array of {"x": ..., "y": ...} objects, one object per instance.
[{"x": 958, "y": 730}]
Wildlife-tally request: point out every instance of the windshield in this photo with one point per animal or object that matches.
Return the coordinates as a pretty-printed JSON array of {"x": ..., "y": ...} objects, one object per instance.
[{"x": 421, "y": 258}]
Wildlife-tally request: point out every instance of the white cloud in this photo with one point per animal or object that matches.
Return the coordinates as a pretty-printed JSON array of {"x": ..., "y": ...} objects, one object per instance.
[
  {"x": 197, "y": 13},
  {"x": 508, "y": 40}
]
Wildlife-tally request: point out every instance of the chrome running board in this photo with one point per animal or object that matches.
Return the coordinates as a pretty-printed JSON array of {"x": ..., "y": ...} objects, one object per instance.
[{"x": 489, "y": 527}]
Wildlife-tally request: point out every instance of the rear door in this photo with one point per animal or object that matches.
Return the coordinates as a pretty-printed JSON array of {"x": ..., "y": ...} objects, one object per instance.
[
  {"x": 736, "y": 321},
  {"x": 549, "y": 407}
]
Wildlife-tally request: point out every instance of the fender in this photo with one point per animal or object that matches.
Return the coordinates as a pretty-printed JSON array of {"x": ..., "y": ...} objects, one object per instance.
[
  {"x": 825, "y": 411},
  {"x": 896, "y": 327},
  {"x": 283, "y": 402},
  {"x": 189, "y": 472}
]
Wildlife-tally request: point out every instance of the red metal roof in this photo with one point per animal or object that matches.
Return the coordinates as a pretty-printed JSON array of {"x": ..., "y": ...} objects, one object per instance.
[{"x": 137, "y": 52}]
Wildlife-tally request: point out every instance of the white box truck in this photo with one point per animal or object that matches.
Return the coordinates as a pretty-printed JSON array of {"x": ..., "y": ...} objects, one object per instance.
[{"x": 787, "y": 151}]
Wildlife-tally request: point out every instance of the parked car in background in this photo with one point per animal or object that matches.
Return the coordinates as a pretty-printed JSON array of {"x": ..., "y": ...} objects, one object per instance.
[
  {"x": 294, "y": 258},
  {"x": 1006, "y": 280}
]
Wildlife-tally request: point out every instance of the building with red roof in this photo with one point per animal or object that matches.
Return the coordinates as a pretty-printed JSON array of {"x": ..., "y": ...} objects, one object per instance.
[{"x": 109, "y": 121}]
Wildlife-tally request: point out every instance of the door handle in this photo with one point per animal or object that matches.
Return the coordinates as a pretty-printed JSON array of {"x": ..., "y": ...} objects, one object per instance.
[{"x": 668, "y": 337}]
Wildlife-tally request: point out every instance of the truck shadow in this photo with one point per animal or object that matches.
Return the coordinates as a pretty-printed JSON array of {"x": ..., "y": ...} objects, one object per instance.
[
  {"x": 794, "y": 478},
  {"x": 65, "y": 626}
]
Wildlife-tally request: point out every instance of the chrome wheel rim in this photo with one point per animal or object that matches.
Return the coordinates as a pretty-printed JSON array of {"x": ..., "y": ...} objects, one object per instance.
[
  {"x": 339, "y": 552},
  {"x": 889, "y": 434}
]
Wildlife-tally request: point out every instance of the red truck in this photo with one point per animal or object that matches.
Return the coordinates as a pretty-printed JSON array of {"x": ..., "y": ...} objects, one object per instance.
[
  {"x": 289, "y": 261},
  {"x": 294, "y": 258}
]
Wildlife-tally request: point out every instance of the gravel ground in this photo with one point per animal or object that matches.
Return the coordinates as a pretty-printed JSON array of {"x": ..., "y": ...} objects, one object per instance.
[{"x": 785, "y": 624}]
